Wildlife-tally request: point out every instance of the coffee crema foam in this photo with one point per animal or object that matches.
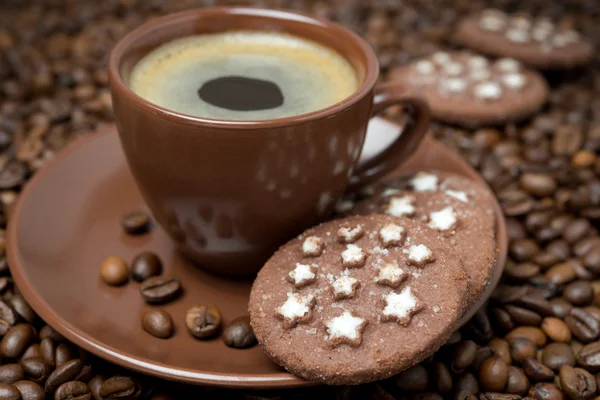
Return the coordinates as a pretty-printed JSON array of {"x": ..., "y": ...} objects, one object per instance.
[{"x": 243, "y": 75}]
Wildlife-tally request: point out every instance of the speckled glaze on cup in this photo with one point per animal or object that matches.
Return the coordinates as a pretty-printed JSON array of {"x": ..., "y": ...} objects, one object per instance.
[{"x": 230, "y": 192}]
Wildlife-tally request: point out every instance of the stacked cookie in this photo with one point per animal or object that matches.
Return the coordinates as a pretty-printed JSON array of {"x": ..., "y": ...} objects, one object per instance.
[
  {"x": 365, "y": 296},
  {"x": 466, "y": 88}
]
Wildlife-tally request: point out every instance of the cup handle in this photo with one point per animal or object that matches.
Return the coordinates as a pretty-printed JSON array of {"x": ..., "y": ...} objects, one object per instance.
[{"x": 385, "y": 96}]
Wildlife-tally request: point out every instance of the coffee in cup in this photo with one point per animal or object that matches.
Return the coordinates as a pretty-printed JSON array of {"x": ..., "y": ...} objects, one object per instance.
[{"x": 243, "y": 75}]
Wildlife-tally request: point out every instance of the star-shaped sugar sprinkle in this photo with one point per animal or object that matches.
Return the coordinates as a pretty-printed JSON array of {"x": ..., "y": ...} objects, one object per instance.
[
  {"x": 391, "y": 235},
  {"x": 296, "y": 309},
  {"x": 400, "y": 307},
  {"x": 345, "y": 329},
  {"x": 390, "y": 274},
  {"x": 348, "y": 234},
  {"x": 424, "y": 182},
  {"x": 400, "y": 206},
  {"x": 353, "y": 257},
  {"x": 457, "y": 194},
  {"x": 302, "y": 275},
  {"x": 443, "y": 220},
  {"x": 420, "y": 255},
  {"x": 345, "y": 287},
  {"x": 312, "y": 246}
]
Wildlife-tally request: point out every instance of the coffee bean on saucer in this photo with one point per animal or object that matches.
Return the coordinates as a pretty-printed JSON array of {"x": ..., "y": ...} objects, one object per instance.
[
  {"x": 239, "y": 334},
  {"x": 9, "y": 392},
  {"x": 136, "y": 222},
  {"x": 160, "y": 289},
  {"x": 30, "y": 390},
  {"x": 203, "y": 321},
  {"x": 119, "y": 387},
  {"x": 113, "y": 271},
  {"x": 146, "y": 265},
  {"x": 158, "y": 323},
  {"x": 73, "y": 390}
]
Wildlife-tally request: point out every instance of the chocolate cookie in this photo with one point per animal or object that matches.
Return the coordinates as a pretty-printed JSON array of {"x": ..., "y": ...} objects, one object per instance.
[
  {"x": 358, "y": 299},
  {"x": 468, "y": 89},
  {"x": 535, "y": 41},
  {"x": 466, "y": 223}
]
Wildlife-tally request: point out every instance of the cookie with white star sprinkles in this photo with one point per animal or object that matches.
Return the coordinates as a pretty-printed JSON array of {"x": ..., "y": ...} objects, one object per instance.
[
  {"x": 455, "y": 206},
  {"x": 471, "y": 90},
  {"x": 384, "y": 290},
  {"x": 539, "y": 42}
]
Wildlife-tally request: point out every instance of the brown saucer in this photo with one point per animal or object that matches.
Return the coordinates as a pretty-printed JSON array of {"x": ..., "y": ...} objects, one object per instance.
[{"x": 68, "y": 220}]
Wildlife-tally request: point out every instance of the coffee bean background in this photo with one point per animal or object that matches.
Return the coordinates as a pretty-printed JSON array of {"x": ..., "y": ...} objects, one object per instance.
[{"x": 539, "y": 336}]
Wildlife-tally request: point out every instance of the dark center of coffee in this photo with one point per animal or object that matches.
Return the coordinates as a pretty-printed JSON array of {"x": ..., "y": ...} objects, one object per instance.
[{"x": 240, "y": 93}]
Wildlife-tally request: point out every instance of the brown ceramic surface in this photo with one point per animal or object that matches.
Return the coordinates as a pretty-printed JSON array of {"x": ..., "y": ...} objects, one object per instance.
[
  {"x": 264, "y": 181},
  {"x": 68, "y": 220}
]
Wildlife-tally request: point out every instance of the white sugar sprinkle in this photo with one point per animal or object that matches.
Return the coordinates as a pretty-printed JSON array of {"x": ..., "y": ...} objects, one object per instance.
[
  {"x": 488, "y": 90},
  {"x": 514, "y": 80},
  {"x": 453, "y": 85},
  {"x": 345, "y": 326},
  {"x": 302, "y": 274},
  {"x": 419, "y": 253},
  {"x": 457, "y": 194},
  {"x": 517, "y": 35},
  {"x": 400, "y": 305},
  {"x": 295, "y": 306},
  {"x": 441, "y": 57},
  {"x": 344, "y": 285},
  {"x": 399, "y": 206},
  {"x": 424, "y": 182},
  {"x": 508, "y": 65},
  {"x": 443, "y": 220}
]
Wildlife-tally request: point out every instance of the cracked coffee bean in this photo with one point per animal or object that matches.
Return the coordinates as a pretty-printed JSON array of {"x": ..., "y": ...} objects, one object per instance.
[{"x": 203, "y": 321}]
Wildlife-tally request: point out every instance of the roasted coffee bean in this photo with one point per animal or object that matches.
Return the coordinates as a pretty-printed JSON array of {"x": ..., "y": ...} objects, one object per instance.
[
  {"x": 493, "y": 374},
  {"x": 522, "y": 271},
  {"x": 535, "y": 303},
  {"x": 576, "y": 230},
  {"x": 577, "y": 383},
  {"x": 20, "y": 305},
  {"x": 524, "y": 249},
  {"x": 16, "y": 340},
  {"x": 515, "y": 229},
  {"x": 48, "y": 332},
  {"x": 30, "y": 390},
  {"x": 479, "y": 327},
  {"x": 158, "y": 323},
  {"x": 501, "y": 349},
  {"x": 12, "y": 175},
  {"x": 582, "y": 247},
  {"x": 203, "y": 321},
  {"x": 556, "y": 329},
  {"x": 94, "y": 384},
  {"x": 118, "y": 387},
  {"x": 545, "y": 391},
  {"x": 533, "y": 334},
  {"x": 501, "y": 319},
  {"x": 483, "y": 353},
  {"x": 561, "y": 273},
  {"x": 522, "y": 316},
  {"x": 536, "y": 371},
  {"x": 62, "y": 374},
  {"x": 36, "y": 369},
  {"x": 441, "y": 378},
  {"x": 113, "y": 271},
  {"x": 32, "y": 351},
  {"x": 10, "y": 373},
  {"x": 517, "y": 381},
  {"x": 505, "y": 294},
  {"x": 136, "y": 222},
  {"x": 560, "y": 307},
  {"x": 48, "y": 350},
  {"x": 589, "y": 356},
  {"x": 160, "y": 289},
  {"x": 555, "y": 355},
  {"x": 7, "y": 313},
  {"x": 65, "y": 352},
  {"x": 583, "y": 325},
  {"x": 86, "y": 374},
  {"x": 498, "y": 396},
  {"x": 539, "y": 185},
  {"x": 468, "y": 384},
  {"x": 579, "y": 293},
  {"x": 146, "y": 265},
  {"x": 521, "y": 348},
  {"x": 73, "y": 390},
  {"x": 239, "y": 334},
  {"x": 9, "y": 392}
]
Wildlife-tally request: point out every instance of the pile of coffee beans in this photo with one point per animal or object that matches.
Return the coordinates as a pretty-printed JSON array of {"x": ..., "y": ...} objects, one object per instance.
[{"x": 539, "y": 336}]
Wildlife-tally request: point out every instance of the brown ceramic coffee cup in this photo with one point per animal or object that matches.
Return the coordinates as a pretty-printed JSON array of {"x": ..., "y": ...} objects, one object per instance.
[{"x": 230, "y": 192}]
